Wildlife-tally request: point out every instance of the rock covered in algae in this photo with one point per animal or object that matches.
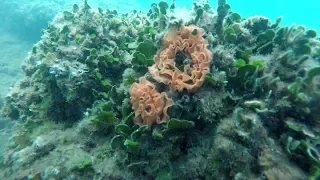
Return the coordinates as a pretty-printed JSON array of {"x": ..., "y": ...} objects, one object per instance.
[{"x": 235, "y": 127}]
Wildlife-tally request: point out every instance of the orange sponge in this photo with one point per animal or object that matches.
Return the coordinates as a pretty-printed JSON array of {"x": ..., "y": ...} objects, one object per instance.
[
  {"x": 188, "y": 40},
  {"x": 150, "y": 106}
]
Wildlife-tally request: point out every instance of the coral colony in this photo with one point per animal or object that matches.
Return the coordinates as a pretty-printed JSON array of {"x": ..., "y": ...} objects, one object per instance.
[{"x": 167, "y": 94}]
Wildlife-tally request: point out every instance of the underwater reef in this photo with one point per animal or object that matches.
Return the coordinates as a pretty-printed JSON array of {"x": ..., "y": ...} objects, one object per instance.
[{"x": 167, "y": 94}]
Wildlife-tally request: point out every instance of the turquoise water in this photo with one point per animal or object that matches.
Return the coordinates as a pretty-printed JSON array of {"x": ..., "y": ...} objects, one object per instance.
[
  {"x": 293, "y": 11},
  {"x": 39, "y": 13}
]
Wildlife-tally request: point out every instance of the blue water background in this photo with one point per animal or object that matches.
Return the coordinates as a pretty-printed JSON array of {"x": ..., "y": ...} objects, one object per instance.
[
  {"x": 297, "y": 12},
  {"x": 305, "y": 12}
]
